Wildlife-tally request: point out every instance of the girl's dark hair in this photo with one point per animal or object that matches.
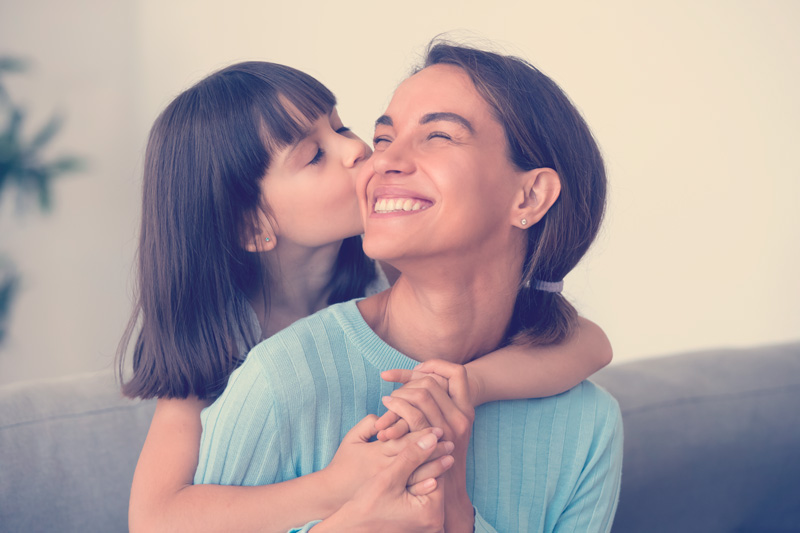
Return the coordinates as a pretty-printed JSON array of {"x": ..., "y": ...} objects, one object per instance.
[
  {"x": 543, "y": 129},
  {"x": 206, "y": 157}
]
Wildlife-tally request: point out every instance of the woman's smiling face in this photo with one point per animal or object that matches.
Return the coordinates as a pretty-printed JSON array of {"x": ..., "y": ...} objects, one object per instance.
[{"x": 440, "y": 181}]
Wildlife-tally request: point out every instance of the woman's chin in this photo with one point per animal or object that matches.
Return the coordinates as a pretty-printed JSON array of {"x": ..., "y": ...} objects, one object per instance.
[{"x": 383, "y": 249}]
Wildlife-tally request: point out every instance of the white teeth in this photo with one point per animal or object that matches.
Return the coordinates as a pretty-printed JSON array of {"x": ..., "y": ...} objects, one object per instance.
[{"x": 389, "y": 205}]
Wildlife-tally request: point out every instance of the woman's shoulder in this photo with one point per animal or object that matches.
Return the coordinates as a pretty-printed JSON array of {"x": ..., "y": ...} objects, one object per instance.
[{"x": 303, "y": 336}]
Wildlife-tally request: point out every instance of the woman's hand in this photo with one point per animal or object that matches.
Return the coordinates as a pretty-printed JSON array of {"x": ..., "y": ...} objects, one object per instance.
[
  {"x": 358, "y": 459},
  {"x": 425, "y": 403},
  {"x": 385, "y": 503}
]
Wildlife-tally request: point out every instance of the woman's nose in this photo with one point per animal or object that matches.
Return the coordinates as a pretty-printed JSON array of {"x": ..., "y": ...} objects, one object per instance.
[{"x": 393, "y": 159}]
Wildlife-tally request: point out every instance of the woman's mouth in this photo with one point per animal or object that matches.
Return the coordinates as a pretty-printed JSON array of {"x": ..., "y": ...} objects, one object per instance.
[{"x": 394, "y": 205}]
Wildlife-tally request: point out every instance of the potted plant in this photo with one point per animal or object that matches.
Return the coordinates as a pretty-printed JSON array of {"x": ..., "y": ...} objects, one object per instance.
[{"x": 25, "y": 169}]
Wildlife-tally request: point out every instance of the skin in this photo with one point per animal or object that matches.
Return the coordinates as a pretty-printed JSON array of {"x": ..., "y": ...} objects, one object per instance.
[{"x": 304, "y": 239}]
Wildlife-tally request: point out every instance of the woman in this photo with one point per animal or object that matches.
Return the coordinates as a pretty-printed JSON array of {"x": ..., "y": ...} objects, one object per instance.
[
  {"x": 511, "y": 190},
  {"x": 249, "y": 223}
]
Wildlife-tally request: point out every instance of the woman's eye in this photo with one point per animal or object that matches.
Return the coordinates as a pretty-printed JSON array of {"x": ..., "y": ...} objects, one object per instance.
[
  {"x": 439, "y": 135},
  {"x": 317, "y": 157},
  {"x": 378, "y": 140}
]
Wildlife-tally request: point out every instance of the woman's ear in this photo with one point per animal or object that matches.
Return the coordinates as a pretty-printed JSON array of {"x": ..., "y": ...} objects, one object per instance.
[
  {"x": 257, "y": 234},
  {"x": 540, "y": 190}
]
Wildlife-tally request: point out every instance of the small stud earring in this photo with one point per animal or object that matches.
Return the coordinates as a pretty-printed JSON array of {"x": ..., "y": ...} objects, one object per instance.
[
  {"x": 266, "y": 239},
  {"x": 524, "y": 221}
]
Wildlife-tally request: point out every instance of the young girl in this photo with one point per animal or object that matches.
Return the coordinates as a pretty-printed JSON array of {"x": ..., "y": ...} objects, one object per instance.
[{"x": 250, "y": 222}]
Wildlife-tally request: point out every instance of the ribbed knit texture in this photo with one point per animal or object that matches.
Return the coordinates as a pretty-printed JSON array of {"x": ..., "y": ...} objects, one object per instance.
[{"x": 549, "y": 464}]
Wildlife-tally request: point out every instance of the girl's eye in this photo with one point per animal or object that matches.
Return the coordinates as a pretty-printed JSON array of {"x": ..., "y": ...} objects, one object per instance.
[
  {"x": 342, "y": 130},
  {"x": 317, "y": 157}
]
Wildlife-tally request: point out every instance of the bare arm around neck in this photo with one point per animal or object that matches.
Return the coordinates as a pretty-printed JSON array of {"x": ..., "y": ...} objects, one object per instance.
[{"x": 163, "y": 497}]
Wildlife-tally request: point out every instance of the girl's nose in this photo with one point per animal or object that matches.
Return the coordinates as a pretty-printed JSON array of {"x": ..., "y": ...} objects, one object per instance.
[{"x": 356, "y": 152}]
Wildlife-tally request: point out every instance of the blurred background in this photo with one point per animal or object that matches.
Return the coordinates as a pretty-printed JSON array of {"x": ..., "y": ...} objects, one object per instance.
[{"x": 694, "y": 104}]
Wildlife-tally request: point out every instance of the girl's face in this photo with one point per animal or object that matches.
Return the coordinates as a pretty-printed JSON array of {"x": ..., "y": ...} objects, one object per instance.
[
  {"x": 310, "y": 185},
  {"x": 442, "y": 182}
]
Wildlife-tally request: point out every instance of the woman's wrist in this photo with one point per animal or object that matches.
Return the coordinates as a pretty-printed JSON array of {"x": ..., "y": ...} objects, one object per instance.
[
  {"x": 346, "y": 518},
  {"x": 461, "y": 516}
]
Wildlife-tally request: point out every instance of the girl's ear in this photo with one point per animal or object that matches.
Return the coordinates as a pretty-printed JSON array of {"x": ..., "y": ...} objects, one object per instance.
[
  {"x": 258, "y": 235},
  {"x": 540, "y": 190}
]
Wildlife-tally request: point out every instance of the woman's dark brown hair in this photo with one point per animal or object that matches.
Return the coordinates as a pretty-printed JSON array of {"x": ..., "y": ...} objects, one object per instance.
[
  {"x": 206, "y": 157},
  {"x": 543, "y": 130}
]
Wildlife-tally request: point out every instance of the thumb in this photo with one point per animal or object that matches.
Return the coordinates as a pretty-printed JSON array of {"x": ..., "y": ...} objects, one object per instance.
[
  {"x": 397, "y": 375},
  {"x": 363, "y": 431},
  {"x": 410, "y": 458}
]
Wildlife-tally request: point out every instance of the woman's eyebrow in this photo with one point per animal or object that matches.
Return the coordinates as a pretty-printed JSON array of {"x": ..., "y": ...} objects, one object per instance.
[
  {"x": 449, "y": 117},
  {"x": 384, "y": 120}
]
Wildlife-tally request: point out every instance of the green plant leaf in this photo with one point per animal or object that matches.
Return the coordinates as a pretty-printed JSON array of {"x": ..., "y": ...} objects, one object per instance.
[
  {"x": 44, "y": 136},
  {"x": 12, "y": 64},
  {"x": 9, "y": 286}
]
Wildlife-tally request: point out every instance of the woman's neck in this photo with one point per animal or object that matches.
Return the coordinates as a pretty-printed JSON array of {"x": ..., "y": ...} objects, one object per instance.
[
  {"x": 454, "y": 314},
  {"x": 299, "y": 285}
]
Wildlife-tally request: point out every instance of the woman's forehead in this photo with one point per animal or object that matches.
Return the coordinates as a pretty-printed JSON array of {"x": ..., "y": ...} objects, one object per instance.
[{"x": 436, "y": 89}]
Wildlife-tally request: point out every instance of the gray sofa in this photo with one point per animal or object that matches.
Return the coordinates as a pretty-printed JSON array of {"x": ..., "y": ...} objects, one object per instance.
[{"x": 712, "y": 444}]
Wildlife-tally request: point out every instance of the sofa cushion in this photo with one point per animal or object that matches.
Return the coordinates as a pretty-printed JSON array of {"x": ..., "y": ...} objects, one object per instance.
[
  {"x": 68, "y": 449},
  {"x": 712, "y": 441},
  {"x": 711, "y": 445}
]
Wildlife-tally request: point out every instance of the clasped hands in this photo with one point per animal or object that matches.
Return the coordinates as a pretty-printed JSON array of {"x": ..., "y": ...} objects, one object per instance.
[{"x": 413, "y": 477}]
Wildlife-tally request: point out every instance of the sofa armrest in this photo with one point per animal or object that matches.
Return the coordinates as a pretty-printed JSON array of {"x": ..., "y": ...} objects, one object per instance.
[{"x": 68, "y": 449}]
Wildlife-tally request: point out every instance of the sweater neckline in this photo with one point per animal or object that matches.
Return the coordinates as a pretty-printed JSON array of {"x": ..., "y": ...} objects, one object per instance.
[{"x": 374, "y": 349}]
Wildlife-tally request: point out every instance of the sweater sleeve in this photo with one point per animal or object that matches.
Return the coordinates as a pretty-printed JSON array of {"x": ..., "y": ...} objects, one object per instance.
[
  {"x": 240, "y": 444},
  {"x": 481, "y": 525},
  {"x": 305, "y": 528},
  {"x": 594, "y": 503}
]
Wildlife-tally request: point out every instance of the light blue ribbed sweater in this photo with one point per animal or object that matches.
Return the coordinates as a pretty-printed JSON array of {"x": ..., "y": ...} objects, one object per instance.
[{"x": 549, "y": 464}]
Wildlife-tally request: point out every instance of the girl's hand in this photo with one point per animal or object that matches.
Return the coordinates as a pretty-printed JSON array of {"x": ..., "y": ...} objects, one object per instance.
[
  {"x": 390, "y": 425},
  {"x": 358, "y": 459},
  {"x": 384, "y": 503}
]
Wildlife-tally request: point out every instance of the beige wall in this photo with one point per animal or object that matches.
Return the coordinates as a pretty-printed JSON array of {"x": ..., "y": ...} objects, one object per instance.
[{"x": 694, "y": 105}]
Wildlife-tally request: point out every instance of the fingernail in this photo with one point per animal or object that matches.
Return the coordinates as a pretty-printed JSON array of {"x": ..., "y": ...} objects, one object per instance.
[
  {"x": 438, "y": 432},
  {"x": 447, "y": 460},
  {"x": 429, "y": 483},
  {"x": 427, "y": 441},
  {"x": 387, "y": 399},
  {"x": 449, "y": 446}
]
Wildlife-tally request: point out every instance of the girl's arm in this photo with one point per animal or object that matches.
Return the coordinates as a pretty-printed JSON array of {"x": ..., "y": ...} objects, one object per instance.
[
  {"x": 163, "y": 497},
  {"x": 515, "y": 371},
  {"x": 523, "y": 371}
]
